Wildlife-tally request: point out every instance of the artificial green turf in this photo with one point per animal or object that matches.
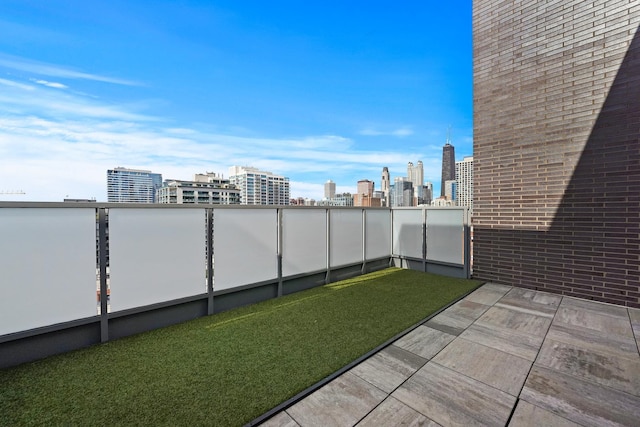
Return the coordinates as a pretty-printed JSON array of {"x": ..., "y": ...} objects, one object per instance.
[{"x": 228, "y": 368}]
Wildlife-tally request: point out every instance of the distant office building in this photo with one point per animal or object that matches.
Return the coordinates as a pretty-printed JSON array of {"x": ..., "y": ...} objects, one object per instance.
[
  {"x": 464, "y": 180},
  {"x": 402, "y": 194},
  {"x": 365, "y": 187},
  {"x": 366, "y": 200},
  {"x": 385, "y": 186},
  {"x": 448, "y": 166},
  {"x": 415, "y": 174},
  {"x": 450, "y": 187},
  {"x": 344, "y": 199},
  {"x": 132, "y": 185},
  {"x": 364, "y": 193},
  {"x": 259, "y": 187},
  {"x": 329, "y": 189},
  {"x": 427, "y": 193},
  {"x": 209, "y": 188},
  {"x": 441, "y": 202}
]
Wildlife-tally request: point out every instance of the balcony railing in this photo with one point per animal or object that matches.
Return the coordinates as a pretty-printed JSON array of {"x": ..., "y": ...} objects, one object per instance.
[{"x": 159, "y": 265}]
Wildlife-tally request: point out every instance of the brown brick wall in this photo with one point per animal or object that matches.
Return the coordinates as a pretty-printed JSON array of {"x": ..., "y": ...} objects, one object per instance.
[{"x": 557, "y": 146}]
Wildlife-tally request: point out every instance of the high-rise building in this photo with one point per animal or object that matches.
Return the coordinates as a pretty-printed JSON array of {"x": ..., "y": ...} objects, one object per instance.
[
  {"x": 385, "y": 186},
  {"x": 366, "y": 187},
  {"x": 450, "y": 187},
  {"x": 208, "y": 188},
  {"x": 427, "y": 193},
  {"x": 464, "y": 183},
  {"x": 448, "y": 165},
  {"x": 259, "y": 187},
  {"x": 132, "y": 185},
  {"x": 329, "y": 189},
  {"x": 402, "y": 194},
  {"x": 415, "y": 174},
  {"x": 364, "y": 194}
]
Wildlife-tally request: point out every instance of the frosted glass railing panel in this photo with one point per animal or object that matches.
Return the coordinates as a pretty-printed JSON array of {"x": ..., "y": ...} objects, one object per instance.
[
  {"x": 445, "y": 235},
  {"x": 48, "y": 267},
  {"x": 156, "y": 255},
  {"x": 304, "y": 241},
  {"x": 346, "y": 237},
  {"x": 407, "y": 232},
  {"x": 378, "y": 234},
  {"x": 245, "y": 245}
]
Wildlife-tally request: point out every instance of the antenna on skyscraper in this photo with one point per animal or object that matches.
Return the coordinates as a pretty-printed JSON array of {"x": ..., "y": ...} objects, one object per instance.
[{"x": 449, "y": 135}]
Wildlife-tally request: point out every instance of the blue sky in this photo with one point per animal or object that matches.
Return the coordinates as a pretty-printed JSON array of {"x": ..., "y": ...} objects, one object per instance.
[{"x": 310, "y": 90}]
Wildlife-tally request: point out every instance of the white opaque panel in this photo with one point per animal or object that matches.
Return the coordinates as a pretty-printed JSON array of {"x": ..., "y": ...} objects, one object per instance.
[
  {"x": 346, "y": 237},
  {"x": 304, "y": 241},
  {"x": 245, "y": 247},
  {"x": 47, "y": 266},
  {"x": 156, "y": 255},
  {"x": 378, "y": 234},
  {"x": 445, "y": 235},
  {"x": 407, "y": 232}
]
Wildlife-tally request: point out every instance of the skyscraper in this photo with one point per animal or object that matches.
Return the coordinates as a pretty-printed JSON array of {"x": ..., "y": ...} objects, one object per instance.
[
  {"x": 364, "y": 195},
  {"x": 464, "y": 180},
  {"x": 259, "y": 187},
  {"x": 365, "y": 187},
  {"x": 402, "y": 192},
  {"x": 132, "y": 185},
  {"x": 385, "y": 186},
  {"x": 329, "y": 189},
  {"x": 448, "y": 165},
  {"x": 415, "y": 174}
]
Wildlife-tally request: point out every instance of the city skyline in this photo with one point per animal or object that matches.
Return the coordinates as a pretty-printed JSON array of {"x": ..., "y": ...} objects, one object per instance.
[{"x": 311, "y": 92}]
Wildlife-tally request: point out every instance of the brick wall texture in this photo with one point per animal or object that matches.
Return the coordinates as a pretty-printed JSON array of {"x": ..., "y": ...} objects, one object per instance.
[{"x": 557, "y": 146}]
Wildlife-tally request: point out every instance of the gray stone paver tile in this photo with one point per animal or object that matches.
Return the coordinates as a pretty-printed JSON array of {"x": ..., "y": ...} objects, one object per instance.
[
  {"x": 458, "y": 317},
  {"x": 528, "y": 415},
  {"x": 598, "y": 307},
  {"x": 343, "y": 401},
  {"x": 424, "y": 341},
  {"x": 593, "y": 339},
  {"x": 507, "y": 340},
  {"x": 389, "y": 368},
  {"x": 392, "y": 412},
  {"x": 581, "y": 401},
  {"x": 540, "y": 303},
  {"x": 452, "y": 399},
  {"x": 467, "y": 309},
  {"x": 497, "y": 287},
  {"x": 604, "y": 324},
  {"x": 515, "y": 320},
  {"x": 281, "y": 419},
  {"x": 606, "y": 369},
  {"x": 486, "y": 295},
  {"x": 447, "y": 329},
  {"x": 493, "y": 367}
]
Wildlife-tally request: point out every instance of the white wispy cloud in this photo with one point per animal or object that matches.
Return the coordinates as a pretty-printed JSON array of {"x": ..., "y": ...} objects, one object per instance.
[
  {"x": 13, "y": 84},
  {"x": 50, "y": 84},
  {"x": 56, "y": 143},
  {"x": 52, "y": 70},
  {"x": 399, "y": 132}
]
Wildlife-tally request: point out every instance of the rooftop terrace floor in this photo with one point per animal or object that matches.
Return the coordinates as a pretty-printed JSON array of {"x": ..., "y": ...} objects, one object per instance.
[{"x": 500, "y": 356}]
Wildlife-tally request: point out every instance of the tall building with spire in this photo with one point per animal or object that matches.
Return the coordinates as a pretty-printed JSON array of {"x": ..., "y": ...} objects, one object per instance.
[
  {"x": 448, "y": 165},
  {"x": 385, "y": 186}
]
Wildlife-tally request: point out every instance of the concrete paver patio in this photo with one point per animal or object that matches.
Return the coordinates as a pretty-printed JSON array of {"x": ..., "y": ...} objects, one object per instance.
[{"x": 500, "y": 356}]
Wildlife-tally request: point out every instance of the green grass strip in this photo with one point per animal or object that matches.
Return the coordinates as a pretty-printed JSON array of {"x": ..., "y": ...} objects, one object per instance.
[{"x": 228, "y": 368}]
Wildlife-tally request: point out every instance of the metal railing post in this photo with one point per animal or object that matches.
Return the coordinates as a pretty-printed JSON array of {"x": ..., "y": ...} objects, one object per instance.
[{"x": 102, "y": 265}]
